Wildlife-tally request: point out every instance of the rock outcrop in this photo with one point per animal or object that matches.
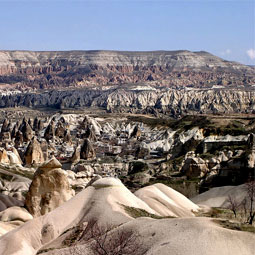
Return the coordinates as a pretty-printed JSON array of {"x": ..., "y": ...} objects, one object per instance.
[
  {"x": 15, "y": 213},
  {"x": 26, "y": 131},
  {"x": 76, "y": 156},
  {"x": 49, "y": 189},
  {"x": 8, "y": 201},
  {"x": 83, "y": 68},
  {"x": 194, "y": 167},
  {"x": 136, "y": 133},
  {"x": 87, "y": 151},
  {"x": 33, "y": 153},
  {"x": 4, "y": 156},
  {"x": 90, "y": 134},
  {"x": 49, "y": 133},
  {"x": 174, "y": 102},
  {"x": 60, "y": 130}
]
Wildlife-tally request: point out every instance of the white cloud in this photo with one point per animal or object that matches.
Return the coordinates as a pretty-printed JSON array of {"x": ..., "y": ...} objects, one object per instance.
[
  {"x": 226, "y": 52},
  {"x": 251, "y": 53}
]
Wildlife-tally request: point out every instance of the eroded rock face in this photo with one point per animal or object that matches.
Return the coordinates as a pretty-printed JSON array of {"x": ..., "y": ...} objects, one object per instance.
[
  {"x": 5, "y": 126},
  {"x": 60, "y": 130},
  {"x": 8, "y": 201},
  {"x": 49, "y": 189},
  {"x": 136, "y": 133},
  {"x": 174, "y": 102},
  {"x": 33, "y": 153},
  {"x": 18, "y": 139},
  {"x": 4, "y": 156},
  {"x": 42, "y": 69},
  {"x": 90, "y": 134},
  {"x": 76, "y": 155},
  {"x": 26, "y": 131},
  {"x": 49, "y": 131},
  {"x": 67, "y": 136},
  {"x": 14, "y": 156},
  {"x": 15, "y": 213},
  {"x": 194, "y": 167},
  {"x": 87, "y": 151}
]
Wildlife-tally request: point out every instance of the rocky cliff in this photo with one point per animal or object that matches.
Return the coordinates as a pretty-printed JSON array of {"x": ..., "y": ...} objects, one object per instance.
[
  {"x": 164, "y": 101},
  {"x": 24, "y": 69}
]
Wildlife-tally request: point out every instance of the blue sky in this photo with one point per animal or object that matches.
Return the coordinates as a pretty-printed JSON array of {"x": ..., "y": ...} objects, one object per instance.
[{"x": 224, "y": 28}]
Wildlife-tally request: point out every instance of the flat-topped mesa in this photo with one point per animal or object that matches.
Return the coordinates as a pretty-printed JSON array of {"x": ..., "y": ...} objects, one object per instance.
[
  {"x": 34, "y": 60},
  {"x": 83, "y": 68}
]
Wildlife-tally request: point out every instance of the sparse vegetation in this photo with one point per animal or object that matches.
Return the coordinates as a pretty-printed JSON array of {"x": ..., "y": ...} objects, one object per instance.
[
  {"x": 137, "y": 212},
  {"x": 250, "y": 189},
  {"x": 215, "y": 212},
  {"x": 105, "y": 240},
  {"x": 235, "y": 225},
  {"x": 233, "y": 205}
]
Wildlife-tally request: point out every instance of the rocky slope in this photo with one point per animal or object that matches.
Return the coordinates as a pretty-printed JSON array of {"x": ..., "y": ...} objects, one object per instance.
[
  {"x": 24, "y": 69},
  {"x": 167, "y": 101}
]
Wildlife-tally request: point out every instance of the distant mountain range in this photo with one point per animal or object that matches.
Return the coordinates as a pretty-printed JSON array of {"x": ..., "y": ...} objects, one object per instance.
[{"x": 64, "y": 69}]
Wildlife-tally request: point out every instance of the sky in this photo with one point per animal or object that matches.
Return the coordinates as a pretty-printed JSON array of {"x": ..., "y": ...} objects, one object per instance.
[{"x": 223, "y": 28}]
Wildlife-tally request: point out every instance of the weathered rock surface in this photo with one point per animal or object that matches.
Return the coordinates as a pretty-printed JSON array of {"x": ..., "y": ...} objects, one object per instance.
[
  {"x": 194, "y": 167},
  {"x": 34, "y": 154},
  {"x": 87, "y": 151},
  {"x": 4, "y": 156},
  {"x": 83, "y": 68},
  {"x": 26, "y": 131},
  {"x": 76, "y": 155},
  {"x": 49, "y": 189},
  {"x": 15, "y": 213},
  {"x": 8, "y": 201},
  {"x": 171, "y": 101},
  {"x": 49, "y": 131}
]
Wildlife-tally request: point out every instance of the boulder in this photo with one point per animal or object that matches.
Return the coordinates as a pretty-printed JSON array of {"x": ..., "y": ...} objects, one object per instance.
[{"x": 49, "y": 189}]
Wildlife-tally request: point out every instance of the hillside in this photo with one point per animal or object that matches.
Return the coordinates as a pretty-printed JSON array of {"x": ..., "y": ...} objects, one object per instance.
[{"x": 40, "y": 69}]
